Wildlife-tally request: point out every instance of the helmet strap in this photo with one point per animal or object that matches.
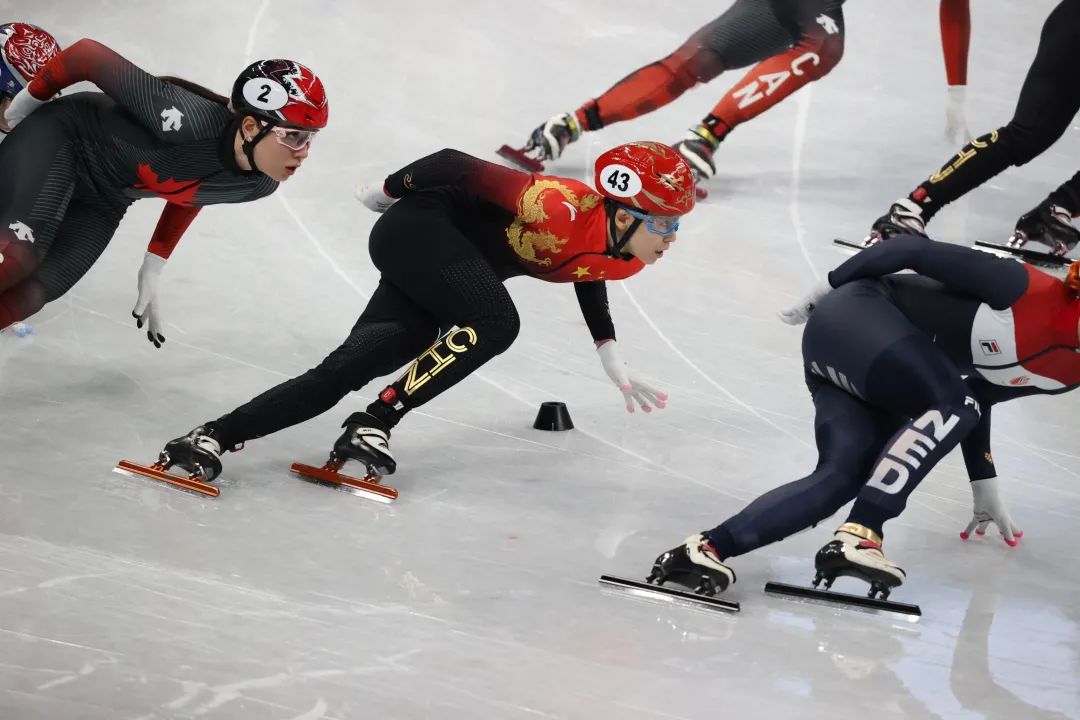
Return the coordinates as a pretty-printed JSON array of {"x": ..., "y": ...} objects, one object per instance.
[
  {"x": 618, "y": 242},
  {"x": 248, "y": 146}
]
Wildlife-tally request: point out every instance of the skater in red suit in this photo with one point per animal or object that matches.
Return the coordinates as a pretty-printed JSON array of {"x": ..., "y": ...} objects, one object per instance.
[{"x": 454, "y": 229}]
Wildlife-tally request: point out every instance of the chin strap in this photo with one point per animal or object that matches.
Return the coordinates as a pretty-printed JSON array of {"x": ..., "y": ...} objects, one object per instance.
[
  {"x": 616, "y": 250},
  {"x": 248, "y": 146}
]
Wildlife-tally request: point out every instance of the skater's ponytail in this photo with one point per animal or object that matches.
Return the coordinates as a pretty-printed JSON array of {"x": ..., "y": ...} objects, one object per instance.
[{"x": 1072, "y": 280}]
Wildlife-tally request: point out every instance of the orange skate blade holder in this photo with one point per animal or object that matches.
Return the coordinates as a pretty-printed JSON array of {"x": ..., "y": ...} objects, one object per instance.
[
  {"x": 329, "y": 475},
  {"x": 189, "y": 483}
]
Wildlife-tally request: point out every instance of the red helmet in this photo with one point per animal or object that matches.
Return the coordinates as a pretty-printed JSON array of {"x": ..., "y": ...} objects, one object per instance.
[
  {"x": 283, "y": 92},
  {"x": 24, "y": 50},
  {"x": 647, "y": 176}
]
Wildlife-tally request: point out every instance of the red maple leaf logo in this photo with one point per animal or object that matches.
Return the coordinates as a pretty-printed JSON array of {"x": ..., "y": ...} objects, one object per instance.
[{"x": 180, "y": 192}]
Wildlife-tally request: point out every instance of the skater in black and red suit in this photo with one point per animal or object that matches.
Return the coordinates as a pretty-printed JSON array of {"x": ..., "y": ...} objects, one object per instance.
[
  {"x": 454, "y": 229},
  {"x": 902, "y": 368},
  {"x": 71, "y": 166},
  {"x": 790, "y": 43}
]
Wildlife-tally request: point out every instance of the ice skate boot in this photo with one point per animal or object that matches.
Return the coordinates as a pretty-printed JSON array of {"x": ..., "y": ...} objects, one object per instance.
[
  {"x": 198, "y": 452},
  {"x": 697, "y": 148},
  {"x": 694, "y": 565},
  {"x": 367, "y": 440},
  {"x": 1049, "y": 225},
  {"x": 855, "y": 551},
  {"x": 904, "y": 218}
]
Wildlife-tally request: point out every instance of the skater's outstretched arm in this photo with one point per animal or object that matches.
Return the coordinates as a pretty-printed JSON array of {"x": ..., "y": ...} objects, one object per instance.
[
  {"x": 593, "y": 301},
  {"x": 167, "y": 111},
  {"x": 996, "y": 281},
  {"x": 492, "y": 182}
]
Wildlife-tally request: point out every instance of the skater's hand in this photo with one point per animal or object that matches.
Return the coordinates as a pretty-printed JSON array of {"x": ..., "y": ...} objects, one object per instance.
[
  {"x": 799, "y": 313},
  {"x": 989, "y": 508},
  {"x": 632, "y": 387},
  {"x": 956, "y": 127},
  {"x": 21, "y": 106},
  {"x": 146, "y": 307},
  {"x": 374, "y": 197}
]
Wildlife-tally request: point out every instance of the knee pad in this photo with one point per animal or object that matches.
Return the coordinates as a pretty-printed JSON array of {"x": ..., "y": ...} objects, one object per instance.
[
  {"x": 693, "y": 63},
  {"x": 17, "y": 261},
  {"x": 497, "y": 331}
]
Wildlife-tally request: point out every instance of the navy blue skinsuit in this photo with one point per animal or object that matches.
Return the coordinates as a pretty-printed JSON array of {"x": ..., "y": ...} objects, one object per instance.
[{"x": 902, "y": 368}]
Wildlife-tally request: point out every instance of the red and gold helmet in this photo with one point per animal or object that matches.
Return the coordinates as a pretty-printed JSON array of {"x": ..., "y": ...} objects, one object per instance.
[
  {"x": 647, "y": 176},
  {"x": 283, "y": 92},
  {"x": 24, "y": 50}
]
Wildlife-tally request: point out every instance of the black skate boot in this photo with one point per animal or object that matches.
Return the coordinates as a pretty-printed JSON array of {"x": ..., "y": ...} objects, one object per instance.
[
  {"x": 367, "y": 440},
  {"x": 550, "y": 139},
  {"x": 904, "y": 218},
  {"x": 855, "y": 552},
  {"x": 694, "y": 565},
  {"x": 697, "y": 148},
  {"x": 198, "y": 452},
  {"x": 1049, "y": 225}
]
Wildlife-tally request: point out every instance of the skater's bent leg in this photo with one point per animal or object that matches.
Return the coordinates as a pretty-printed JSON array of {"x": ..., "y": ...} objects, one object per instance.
[
  {"x": 37, "y": 179},
  {"x": 388, "y": 334},
  {"x": 817, "y": 52},
  {"x": 746, "y": 33},
  {"x": 849, "y": 434},
  {"x": 918, "y": 381},
  {"x": 1049, "y": 99}
]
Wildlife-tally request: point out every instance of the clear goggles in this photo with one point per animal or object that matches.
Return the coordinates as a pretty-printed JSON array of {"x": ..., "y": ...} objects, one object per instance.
[
  {"x": 291, "y": 137},
  {"x": 663, "y": 225}
]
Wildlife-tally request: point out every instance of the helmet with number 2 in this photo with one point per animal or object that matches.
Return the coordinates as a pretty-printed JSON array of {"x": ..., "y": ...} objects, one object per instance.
[
  {"x": 282, "y": 92},
  {"x": 647, "y": 176}
]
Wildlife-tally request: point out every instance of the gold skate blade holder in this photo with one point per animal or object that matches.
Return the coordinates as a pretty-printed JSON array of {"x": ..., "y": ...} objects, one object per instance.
[
  {"x": 329, "y": 476},
  {"x": 911, "y": 613},
  {"x": 660, "y": 593},
  {"x": 190, "y": 483}
]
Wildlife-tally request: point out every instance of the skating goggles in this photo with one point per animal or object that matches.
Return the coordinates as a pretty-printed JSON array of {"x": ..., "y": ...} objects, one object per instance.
[
  {"x": 291, "y": 137},
  {"x": 662, "y": 225}
]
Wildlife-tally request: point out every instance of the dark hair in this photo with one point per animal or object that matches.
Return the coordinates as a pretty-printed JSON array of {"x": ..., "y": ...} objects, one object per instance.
[{"x": 196, "y": 89}]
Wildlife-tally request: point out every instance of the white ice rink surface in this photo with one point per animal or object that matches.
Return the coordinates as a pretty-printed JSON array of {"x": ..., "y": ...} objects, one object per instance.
[{"x": 476, "y": 596}]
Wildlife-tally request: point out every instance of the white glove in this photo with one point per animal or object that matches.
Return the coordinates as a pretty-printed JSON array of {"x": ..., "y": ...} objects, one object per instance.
[
  {"x": 956, "y": 127},
  {"x": 800, "y": 313},
  {"x": 21, "y": 106},
  {"x": 989, "y": 508},
  {"x": 146, "y": 307},
  {"x": 632, "y": 388},
  {"x": 374, "y": 197}
]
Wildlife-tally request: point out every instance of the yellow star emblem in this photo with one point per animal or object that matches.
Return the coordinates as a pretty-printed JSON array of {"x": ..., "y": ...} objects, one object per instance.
[{"x": 581, "y": 272}]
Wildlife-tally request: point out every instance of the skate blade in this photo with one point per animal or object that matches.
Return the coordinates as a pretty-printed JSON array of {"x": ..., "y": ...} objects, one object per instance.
[
  {"x": 1032, "y": 257},
  {"x": 848, "y": 245},
  {"x": 187, "y": 484},
  {"x": 519, "y": 158},
  {"x": 911, "y": 613},
  {"x": 660, "y": 593},
  {"x": 369, "y": 487}
]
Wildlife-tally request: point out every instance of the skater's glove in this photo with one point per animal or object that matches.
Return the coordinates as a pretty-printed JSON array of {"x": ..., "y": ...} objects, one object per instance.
[
  {"x": 146, "y": 307},
  {"x": 989, "y": 508},
  {"x": 633, "y": 388},
  {"x": 374, "y": 197},
  {"x": 21, "y": 106},
  {"x": 956, "y": 127},
  {"x": 800, "y": 313}
]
